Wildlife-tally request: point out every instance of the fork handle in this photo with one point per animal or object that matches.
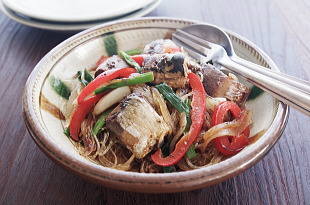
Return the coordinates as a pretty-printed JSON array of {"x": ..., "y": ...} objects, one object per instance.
[{"x": 281, "y": 88}]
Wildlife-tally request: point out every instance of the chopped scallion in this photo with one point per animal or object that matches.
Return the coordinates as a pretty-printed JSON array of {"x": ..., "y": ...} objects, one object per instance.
[
  {"x": 67, "y": 131},
  {"x": 87, "y": 76},
  {"x": 133, "y": 52},
  {"x": 130, "y": 61},
  {"x": 175, "y": 100},
  {"x": 100, "y": 122},
  {"x": 191, "y": 153},
  {"x": 139, "y": 79}
]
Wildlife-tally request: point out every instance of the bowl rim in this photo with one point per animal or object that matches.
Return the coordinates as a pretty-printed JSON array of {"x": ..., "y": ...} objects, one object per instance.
[{"x": 147, "y": 182}]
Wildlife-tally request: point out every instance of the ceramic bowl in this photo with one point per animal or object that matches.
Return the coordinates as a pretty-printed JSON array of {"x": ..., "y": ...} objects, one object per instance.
[{"x": 82, "y": 51}]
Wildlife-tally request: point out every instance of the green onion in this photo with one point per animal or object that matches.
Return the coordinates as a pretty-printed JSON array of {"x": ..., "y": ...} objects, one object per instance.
[
  {"x": 100, "y": 122},
  {"x": 60, "y": 88},
  {"x": 165, "y": 151},
  {"x": 130, "y": 61},
  {"x": 139, "y": 79},
  {"x": 188, "y": 117},
  {"x": 79, "y": 74},
  {"x": 169, "y": 169},
  {"x": 87, "y": 77},
  {"x": 133, "y": 52},
  {"x": 175, "y": 100},
  {"x": 191, "y": 152},
  {"x": 67, "y": 131}
]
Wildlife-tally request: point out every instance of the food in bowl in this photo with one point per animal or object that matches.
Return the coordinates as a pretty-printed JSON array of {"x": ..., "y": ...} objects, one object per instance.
[
  {"x": 83, "y": 51},
  {"x": 154, "y": 111}
]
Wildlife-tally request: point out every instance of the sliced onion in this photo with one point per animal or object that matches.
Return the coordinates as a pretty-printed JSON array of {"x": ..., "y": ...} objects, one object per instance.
[
  {"x": 180, "y": 131},
  {"x": 110, "y": 99},
  {"x": 160, "y": 102},
  {"x": 232, "y": 128}
]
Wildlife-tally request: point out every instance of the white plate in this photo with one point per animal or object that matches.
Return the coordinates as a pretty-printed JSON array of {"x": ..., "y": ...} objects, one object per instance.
[
  {"x": 74, "y": 10},
  {"x": 58, "y": 26}
]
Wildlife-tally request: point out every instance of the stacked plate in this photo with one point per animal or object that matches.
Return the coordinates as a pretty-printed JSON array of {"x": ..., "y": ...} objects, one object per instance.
[{"x": 74, "y": 15}]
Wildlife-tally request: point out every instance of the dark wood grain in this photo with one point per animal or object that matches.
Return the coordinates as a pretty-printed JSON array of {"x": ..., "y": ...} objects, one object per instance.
[{"x": 280, "y": 28}]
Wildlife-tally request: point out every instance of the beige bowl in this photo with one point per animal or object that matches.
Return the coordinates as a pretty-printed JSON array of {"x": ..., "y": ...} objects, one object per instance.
[{"x": 82, "y": 51}]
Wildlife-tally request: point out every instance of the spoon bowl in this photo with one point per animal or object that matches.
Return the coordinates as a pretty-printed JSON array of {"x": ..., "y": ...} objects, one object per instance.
[{"x": 207, "y": 42}]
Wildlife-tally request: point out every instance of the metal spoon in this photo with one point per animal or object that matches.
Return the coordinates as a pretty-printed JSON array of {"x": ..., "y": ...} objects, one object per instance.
[{"x": 207, "y": 42}]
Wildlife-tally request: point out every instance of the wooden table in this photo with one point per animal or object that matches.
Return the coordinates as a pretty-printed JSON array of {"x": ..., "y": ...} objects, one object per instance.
[{"x": 280, "y": 27}]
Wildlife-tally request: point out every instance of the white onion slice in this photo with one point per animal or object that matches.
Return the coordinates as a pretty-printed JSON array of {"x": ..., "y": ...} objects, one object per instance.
[
  {"x": 232, "y": 128},
  {"x": 110, "y": 99}
]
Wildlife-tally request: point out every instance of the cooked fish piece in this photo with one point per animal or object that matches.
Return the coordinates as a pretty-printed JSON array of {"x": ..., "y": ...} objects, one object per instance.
[
  {"x": 217, "y": 84},
  {"x": 137, "y": 125},
  {"x": 169, "y": 68},
  {"x": 161, "y": 46},
  {"x": 145, "y": 91},
  {"x": 112, "y": 62}
]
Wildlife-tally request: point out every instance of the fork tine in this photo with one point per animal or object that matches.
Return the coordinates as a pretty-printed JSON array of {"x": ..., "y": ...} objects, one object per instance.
[
  {"x": 194, "y": 53},
  {"x": 203, "y": 49},
  {"x": 202, "y": 42}
]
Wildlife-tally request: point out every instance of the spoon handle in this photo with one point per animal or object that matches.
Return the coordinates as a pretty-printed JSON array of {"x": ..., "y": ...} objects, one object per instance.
[
  {"x": 288, "y": 90},
  {"x": 296, "y": 82}
]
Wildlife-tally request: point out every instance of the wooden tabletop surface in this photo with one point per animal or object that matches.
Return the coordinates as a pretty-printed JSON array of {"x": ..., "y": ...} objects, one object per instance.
[{"x": 280, "y": 27}]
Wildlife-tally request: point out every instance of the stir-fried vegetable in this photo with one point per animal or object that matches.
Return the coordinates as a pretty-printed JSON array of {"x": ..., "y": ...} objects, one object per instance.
[
  {"x": 139, "y": 79},
  {"x": 85, "y": 101},
  {"x": 130, "y": 61},
  {"x": 197, "y": 117},
  {"x": 110, "y": 99},
  {"x": 175, "y": 100},
  {"x": 191, "y": 152},
  {"x": 133, "y": 52},
  {"x": 153, "y": 116},
  {"x": 139, "y": 59},
  {"x": 101, "y": 60},
  {"x": 104, "y": 78},
  {"x": 79, "y": 115},
  {"x": 87, "y": 77},
  {"x": 100, "y": 122},
  {"x": 229, "y": 145}
]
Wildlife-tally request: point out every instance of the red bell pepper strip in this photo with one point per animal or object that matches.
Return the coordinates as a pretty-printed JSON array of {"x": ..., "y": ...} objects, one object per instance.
[
  {"x": 101, "y": 60},
  {"x": 80, "y": 114},
  {"x": 104, "y": 78},
  {"x": 84, "y": 103},
  {"x": 139, "y": 59},
  {"x": 197, "y": 116},
  {"x": 229, "y": 145},
  {"x": 172, "y": 48}
]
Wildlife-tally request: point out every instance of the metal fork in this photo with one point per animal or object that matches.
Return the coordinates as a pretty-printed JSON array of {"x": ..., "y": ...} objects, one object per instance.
[{"x": 290, "y": 90}]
